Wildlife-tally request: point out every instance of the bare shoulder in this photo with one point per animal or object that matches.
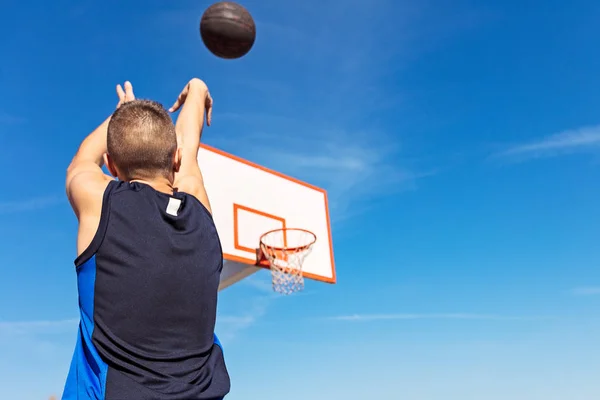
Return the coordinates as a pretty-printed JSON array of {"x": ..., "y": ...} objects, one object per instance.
[
  {"x": 194, "y": 185},
  {"x": 85, "y": 191}
]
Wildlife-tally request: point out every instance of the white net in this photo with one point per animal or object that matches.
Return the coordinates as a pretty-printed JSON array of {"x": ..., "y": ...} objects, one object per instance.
[{"x": 286, "y": 249}]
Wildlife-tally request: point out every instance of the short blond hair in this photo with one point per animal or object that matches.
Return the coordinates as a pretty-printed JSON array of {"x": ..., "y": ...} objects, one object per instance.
[{"x": 142, "y": 140}]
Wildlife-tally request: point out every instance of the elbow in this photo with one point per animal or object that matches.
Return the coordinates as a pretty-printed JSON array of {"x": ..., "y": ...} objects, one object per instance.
[{"x": 71, "y": 167}]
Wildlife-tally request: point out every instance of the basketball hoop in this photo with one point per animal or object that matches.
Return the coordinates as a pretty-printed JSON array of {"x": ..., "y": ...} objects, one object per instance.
[{"x": 286, "y": 249}]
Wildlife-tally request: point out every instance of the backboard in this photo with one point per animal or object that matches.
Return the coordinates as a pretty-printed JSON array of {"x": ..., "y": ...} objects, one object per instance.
[{"x": 248, "y": 200}]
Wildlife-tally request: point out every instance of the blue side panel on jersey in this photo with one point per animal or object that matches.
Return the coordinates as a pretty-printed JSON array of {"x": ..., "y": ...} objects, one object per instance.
[
  {"x": 218, "y": 343},
  {"x": 87, "y": 375}
]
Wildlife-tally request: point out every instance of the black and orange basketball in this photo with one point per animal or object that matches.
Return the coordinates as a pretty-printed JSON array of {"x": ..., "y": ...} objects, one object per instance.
[{"x": 227, "y": 30}]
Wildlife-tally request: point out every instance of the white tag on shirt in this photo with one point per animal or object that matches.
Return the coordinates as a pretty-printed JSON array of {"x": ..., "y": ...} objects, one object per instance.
[{"x": 173, "y": 206}]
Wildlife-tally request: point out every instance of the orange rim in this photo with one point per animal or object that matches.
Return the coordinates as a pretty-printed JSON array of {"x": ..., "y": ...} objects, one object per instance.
[{"x": 288, "y": 249}]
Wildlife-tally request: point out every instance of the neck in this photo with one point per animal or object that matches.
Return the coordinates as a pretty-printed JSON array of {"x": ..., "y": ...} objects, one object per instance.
[{"x": 163, "y": 185}]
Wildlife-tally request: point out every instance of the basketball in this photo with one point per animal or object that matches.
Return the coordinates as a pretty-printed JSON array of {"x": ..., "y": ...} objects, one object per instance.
[{"x": 227, "y": 30}]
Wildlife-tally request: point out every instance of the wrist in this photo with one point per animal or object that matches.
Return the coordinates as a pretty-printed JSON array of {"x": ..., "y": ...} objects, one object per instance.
[
  {"x": 197, "y": 98},
  {"x": 197, "y": 86}
]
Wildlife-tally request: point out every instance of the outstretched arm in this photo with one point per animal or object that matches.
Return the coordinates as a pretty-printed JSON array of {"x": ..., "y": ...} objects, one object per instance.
[
  {"x": 84, "y": 175},
  {"x": 195, "y": 102}
]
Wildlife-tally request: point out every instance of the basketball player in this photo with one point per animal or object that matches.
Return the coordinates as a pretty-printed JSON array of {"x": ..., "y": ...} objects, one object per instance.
[{"x": 149, "y": 258}]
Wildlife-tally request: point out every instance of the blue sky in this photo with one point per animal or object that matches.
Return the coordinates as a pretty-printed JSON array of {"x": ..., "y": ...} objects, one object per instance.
[{"x": 459, "y": 142}]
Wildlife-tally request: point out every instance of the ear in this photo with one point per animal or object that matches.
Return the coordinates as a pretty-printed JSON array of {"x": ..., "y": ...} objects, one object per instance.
[
  {"x": 110, "y": 165},
  {"x": 177, "y": 159}
]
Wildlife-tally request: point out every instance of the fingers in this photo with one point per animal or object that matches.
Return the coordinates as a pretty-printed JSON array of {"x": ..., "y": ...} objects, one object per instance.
[
  {"x": 177, "y": 104},
  {"x": 120, "y": 93},
  {"x": 129, "y": 96},
  {"x": 209, "y": 108},
  {"x": 180, "y": 100},
  {"x": 126, "y": 94}
]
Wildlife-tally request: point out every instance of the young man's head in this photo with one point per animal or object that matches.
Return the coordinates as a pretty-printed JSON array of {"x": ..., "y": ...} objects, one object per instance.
[{"x": 142, "y": 143}]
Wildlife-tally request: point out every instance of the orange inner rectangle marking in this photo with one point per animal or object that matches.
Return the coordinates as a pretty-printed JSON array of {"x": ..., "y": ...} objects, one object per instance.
[{"x": 236, "y": 241}]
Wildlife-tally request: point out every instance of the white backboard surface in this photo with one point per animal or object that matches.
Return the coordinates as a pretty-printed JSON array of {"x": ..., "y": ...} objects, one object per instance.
[{"x": 248, "y": 200}]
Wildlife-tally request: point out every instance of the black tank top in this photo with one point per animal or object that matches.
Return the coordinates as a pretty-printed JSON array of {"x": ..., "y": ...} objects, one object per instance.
[{"x": 148, "y": 287}]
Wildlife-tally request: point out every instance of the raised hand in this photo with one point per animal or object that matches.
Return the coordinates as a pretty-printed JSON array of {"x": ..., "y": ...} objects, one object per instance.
[{"x": 198, "y": 89}]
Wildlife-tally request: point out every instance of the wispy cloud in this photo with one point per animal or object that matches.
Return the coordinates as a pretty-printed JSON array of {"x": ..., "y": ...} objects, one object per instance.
[
  {"x": 230, "y": 326},
  {"x": 265, "y": 286},
  {"x": 9, "y": 119},
  {"x": 29, "y": 204},
  {"x": 587, "y": 291},
  {"x": 572, "y": 141},
  {"x": 37, "y": 326},
  {"x": 353, "y": 166},
  {"x": 455, "y": 316},
  {"x": 262, "y": 285}
]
